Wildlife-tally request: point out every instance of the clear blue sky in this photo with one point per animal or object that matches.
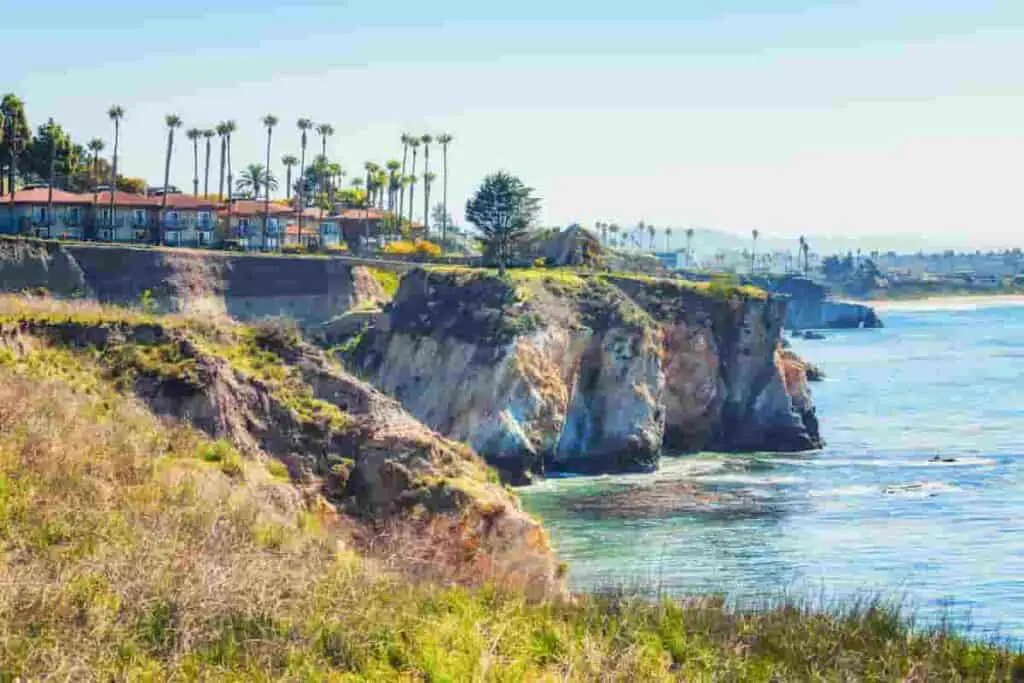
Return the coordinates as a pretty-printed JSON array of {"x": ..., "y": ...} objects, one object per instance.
[{"x": 790, "y": 116}]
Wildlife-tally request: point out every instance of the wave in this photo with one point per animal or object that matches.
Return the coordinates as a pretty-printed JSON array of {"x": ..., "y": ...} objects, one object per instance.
[
  {"x": 917, "y": 489},
  {"x": 750, "y": 479},
  {"x": 946, "y": 461}
]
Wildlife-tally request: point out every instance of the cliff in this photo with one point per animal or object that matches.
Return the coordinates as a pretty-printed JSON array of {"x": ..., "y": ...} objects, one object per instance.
[
  {"x": 245, "y": 287},
  {"x": 588, "y": 374},
  {"x": 810, "y": 307},
  {"x": 272, "y": 396}
]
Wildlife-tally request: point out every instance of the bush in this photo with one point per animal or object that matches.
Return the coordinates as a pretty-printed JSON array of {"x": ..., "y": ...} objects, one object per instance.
[
  {"x": 540, "y": 262},
  {"x": 294, "y": 249},
  {"x": 413, "y": 248},
  {"x": 337, "y": 249}
]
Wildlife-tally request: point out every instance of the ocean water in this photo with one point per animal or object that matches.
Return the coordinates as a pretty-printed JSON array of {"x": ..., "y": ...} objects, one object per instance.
[{"x": 872, "y": 514}]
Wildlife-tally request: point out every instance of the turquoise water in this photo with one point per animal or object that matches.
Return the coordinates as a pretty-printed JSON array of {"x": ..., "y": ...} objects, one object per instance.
[{"x": 868, "y": 515}]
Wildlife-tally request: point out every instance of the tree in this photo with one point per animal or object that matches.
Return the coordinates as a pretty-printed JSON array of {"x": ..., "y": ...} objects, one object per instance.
[
  {"x": 229, "y": 129},
  {"x": 256, "y": 180},
  {"x": 193, "y": 135},
  {"x": 668, "y": 238},
  {"x": 426, "y": 139},
  {"x": 393, "y": 167},
  {"x": 173, "y": 122},
  {"x": 651, "y": 231},
  {"x": 414, "y": 144},
  {"x": 289, "y": 162},
  {"x": 502, "y": 209},
  {"x": 52, "y": 135},
  {"x": 304, "y": 125},
  {"x": 96, "y": 146},
  {"x": 428, "y": 181},
  {"x": 753, "y": 253},
  {"x": 222, "y": 132},
  {"x": 325, "y": 130},
  {"x": 444, "y": 139},
  {"x": 689, "y": 246},
  {"x": 405, "y": 154},
  {"x": 16, "y": 135},
  {"x": 130, "y": 185},
  {"x": 269, "y": 121},
  {"x": 208, "y": 136}
]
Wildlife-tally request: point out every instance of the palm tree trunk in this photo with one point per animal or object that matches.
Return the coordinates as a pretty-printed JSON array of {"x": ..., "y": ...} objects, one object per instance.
[
  {"x": 412, "y": 186},
  {"x": 223, "y": 161},
  {"x": 113, "y": 176},
  {"x": 227, "y": 154},
  {"x": 444, "y": 194},
  {"x": 426, "y": 192},
  {"x": 300, "y": 196},
  {"x": 49, "y": 193},
  {"x": 167, "y": 181},
  {"x": 206, "y": 172},
  {"x": 195, "y": 167},
  {"x": 401, "y": 195},
  {"x": 95, "y": 192},
  {"x": 288, "y": 183},
  {"x": 266, "y": 190}
]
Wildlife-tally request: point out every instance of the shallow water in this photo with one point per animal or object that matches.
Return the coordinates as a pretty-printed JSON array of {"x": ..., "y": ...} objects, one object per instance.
[{"x": 868, "y": 515}]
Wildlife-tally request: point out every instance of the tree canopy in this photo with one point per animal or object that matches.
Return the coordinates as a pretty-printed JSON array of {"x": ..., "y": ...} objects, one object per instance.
[{"x": 503, "y": 209}]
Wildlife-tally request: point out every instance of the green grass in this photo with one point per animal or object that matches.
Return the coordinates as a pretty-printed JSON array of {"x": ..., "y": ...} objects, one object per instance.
[
  {"x": 137, "y": 548},
  {"x": 130, "y": 556},
  {"x": 388, "y": 280}
]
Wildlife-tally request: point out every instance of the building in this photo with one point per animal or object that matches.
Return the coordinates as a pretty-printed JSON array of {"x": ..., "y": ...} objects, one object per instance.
[
  {"x": 317, "y": 231},
  {"x": 244, "y": 221},
  {"x": 132, "y": 218},
  {"x": 42, "y": 213},
  {"x": 188, "y": 221}
]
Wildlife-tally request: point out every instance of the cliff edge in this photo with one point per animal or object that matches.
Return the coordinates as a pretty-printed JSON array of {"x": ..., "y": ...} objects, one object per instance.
[{"x": 562, "y": 372}]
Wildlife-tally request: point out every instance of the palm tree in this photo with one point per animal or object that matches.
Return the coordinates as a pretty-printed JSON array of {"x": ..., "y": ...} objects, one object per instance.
[
  {"x": 222, "y": 131},
  {"x": 230, "y": 127},
  {"x": 444, "y": 139},
  {"x": 95, "y": 146},
  {"x": 426, "y": 140},
  {"x": 668, "y": 237},
  {"x": 325, "y": 130},
  {"x": 405, "y": 155},
  {"x": 805, "y": 247},
  {"x": 753, "y": 254},
  {"x": 115, "y": 114},
  {"x": 173, "y": 121},
  {"x": 193, "y": 134},
  {"x": 255, "y": 178},
  {"x": 651, "y": 231},
  {"x": 689, "y": 246},
  {"x": 393, "y": 181},
  {"x": 414, "y": 144},
  {"x": 304, "y": 125},
  {"x": 51, "y": 131},
  {"x": 428, "y": 181},
  {"x": 269, "y": 121},
  {"x": 208, "y": 135},
  {"x": 289, "y": 162}
]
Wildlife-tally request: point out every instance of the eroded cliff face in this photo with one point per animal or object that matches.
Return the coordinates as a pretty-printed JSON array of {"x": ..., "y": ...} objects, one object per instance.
[
  {"x": 587, "y": 374},
  {"x": 245, "y": 287}
]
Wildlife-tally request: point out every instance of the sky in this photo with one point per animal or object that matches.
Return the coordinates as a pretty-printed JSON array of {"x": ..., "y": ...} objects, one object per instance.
[{"x": 870, "y": 118}]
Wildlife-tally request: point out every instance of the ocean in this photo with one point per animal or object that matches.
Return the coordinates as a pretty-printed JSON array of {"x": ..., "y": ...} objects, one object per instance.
[{"x": 918, "y": 496}]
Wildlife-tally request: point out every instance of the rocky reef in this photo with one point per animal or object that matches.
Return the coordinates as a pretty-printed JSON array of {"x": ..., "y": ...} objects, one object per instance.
[
  {"x": 811, "y": 308},
  {"x": 557, "y": 371}
]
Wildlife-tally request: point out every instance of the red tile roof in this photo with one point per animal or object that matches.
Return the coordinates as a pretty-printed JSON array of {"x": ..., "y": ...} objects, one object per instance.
[
  {"x": 362, "y": 214},
  {"x": 129, "y": 199},
  {"x": 40, "y": 195},
  {"x": 255, "y": 207},
  {"x": 187, "y": 201}
]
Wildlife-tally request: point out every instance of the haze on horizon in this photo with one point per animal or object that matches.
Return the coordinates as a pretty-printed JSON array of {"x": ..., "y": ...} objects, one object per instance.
[{"x": 866, "y": 119}]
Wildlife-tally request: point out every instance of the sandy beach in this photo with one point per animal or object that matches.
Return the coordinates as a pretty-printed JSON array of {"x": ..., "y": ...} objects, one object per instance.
[{"x": 947, "y": 302}]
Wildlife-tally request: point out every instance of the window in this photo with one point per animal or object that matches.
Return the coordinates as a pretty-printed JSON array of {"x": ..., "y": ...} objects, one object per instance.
[
  {"x": 139, "y": 216},
  {"x": 327, "y": 228},
  {"x": 172, "y": 217},
  {"x": 204, "y": 218},
  {"x": 243, "y": 226},
  {"x": 272, "y": 225},
  {"x": 74, "y": 215},
  {"x": 39, "y": 215}
]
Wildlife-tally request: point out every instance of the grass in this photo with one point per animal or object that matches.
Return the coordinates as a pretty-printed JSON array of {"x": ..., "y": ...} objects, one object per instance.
[
  {"x": 388, "y": 280},
  {"x": 130, "y": 556},
  {"x": 137, "y": 548}
]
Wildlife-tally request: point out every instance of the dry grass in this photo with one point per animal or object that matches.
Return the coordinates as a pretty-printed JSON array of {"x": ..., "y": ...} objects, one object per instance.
[{"x": 132, "y": 548}]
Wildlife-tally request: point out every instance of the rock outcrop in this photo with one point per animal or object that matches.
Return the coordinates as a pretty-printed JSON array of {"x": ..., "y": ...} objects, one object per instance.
[
  {"x": 245, "y": 287},
  {"x": 269, "y": 393},
  {"x": 587, "y": 374},
  {"x": 810, "y": 307}
]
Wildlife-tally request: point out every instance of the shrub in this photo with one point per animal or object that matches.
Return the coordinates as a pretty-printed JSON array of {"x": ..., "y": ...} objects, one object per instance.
[
  {"x": 540, "y": 262},
  {"x": 294, "y": 249},
  {"x": 337, "y": 248},
  {"x": 413, "y": 248}
]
